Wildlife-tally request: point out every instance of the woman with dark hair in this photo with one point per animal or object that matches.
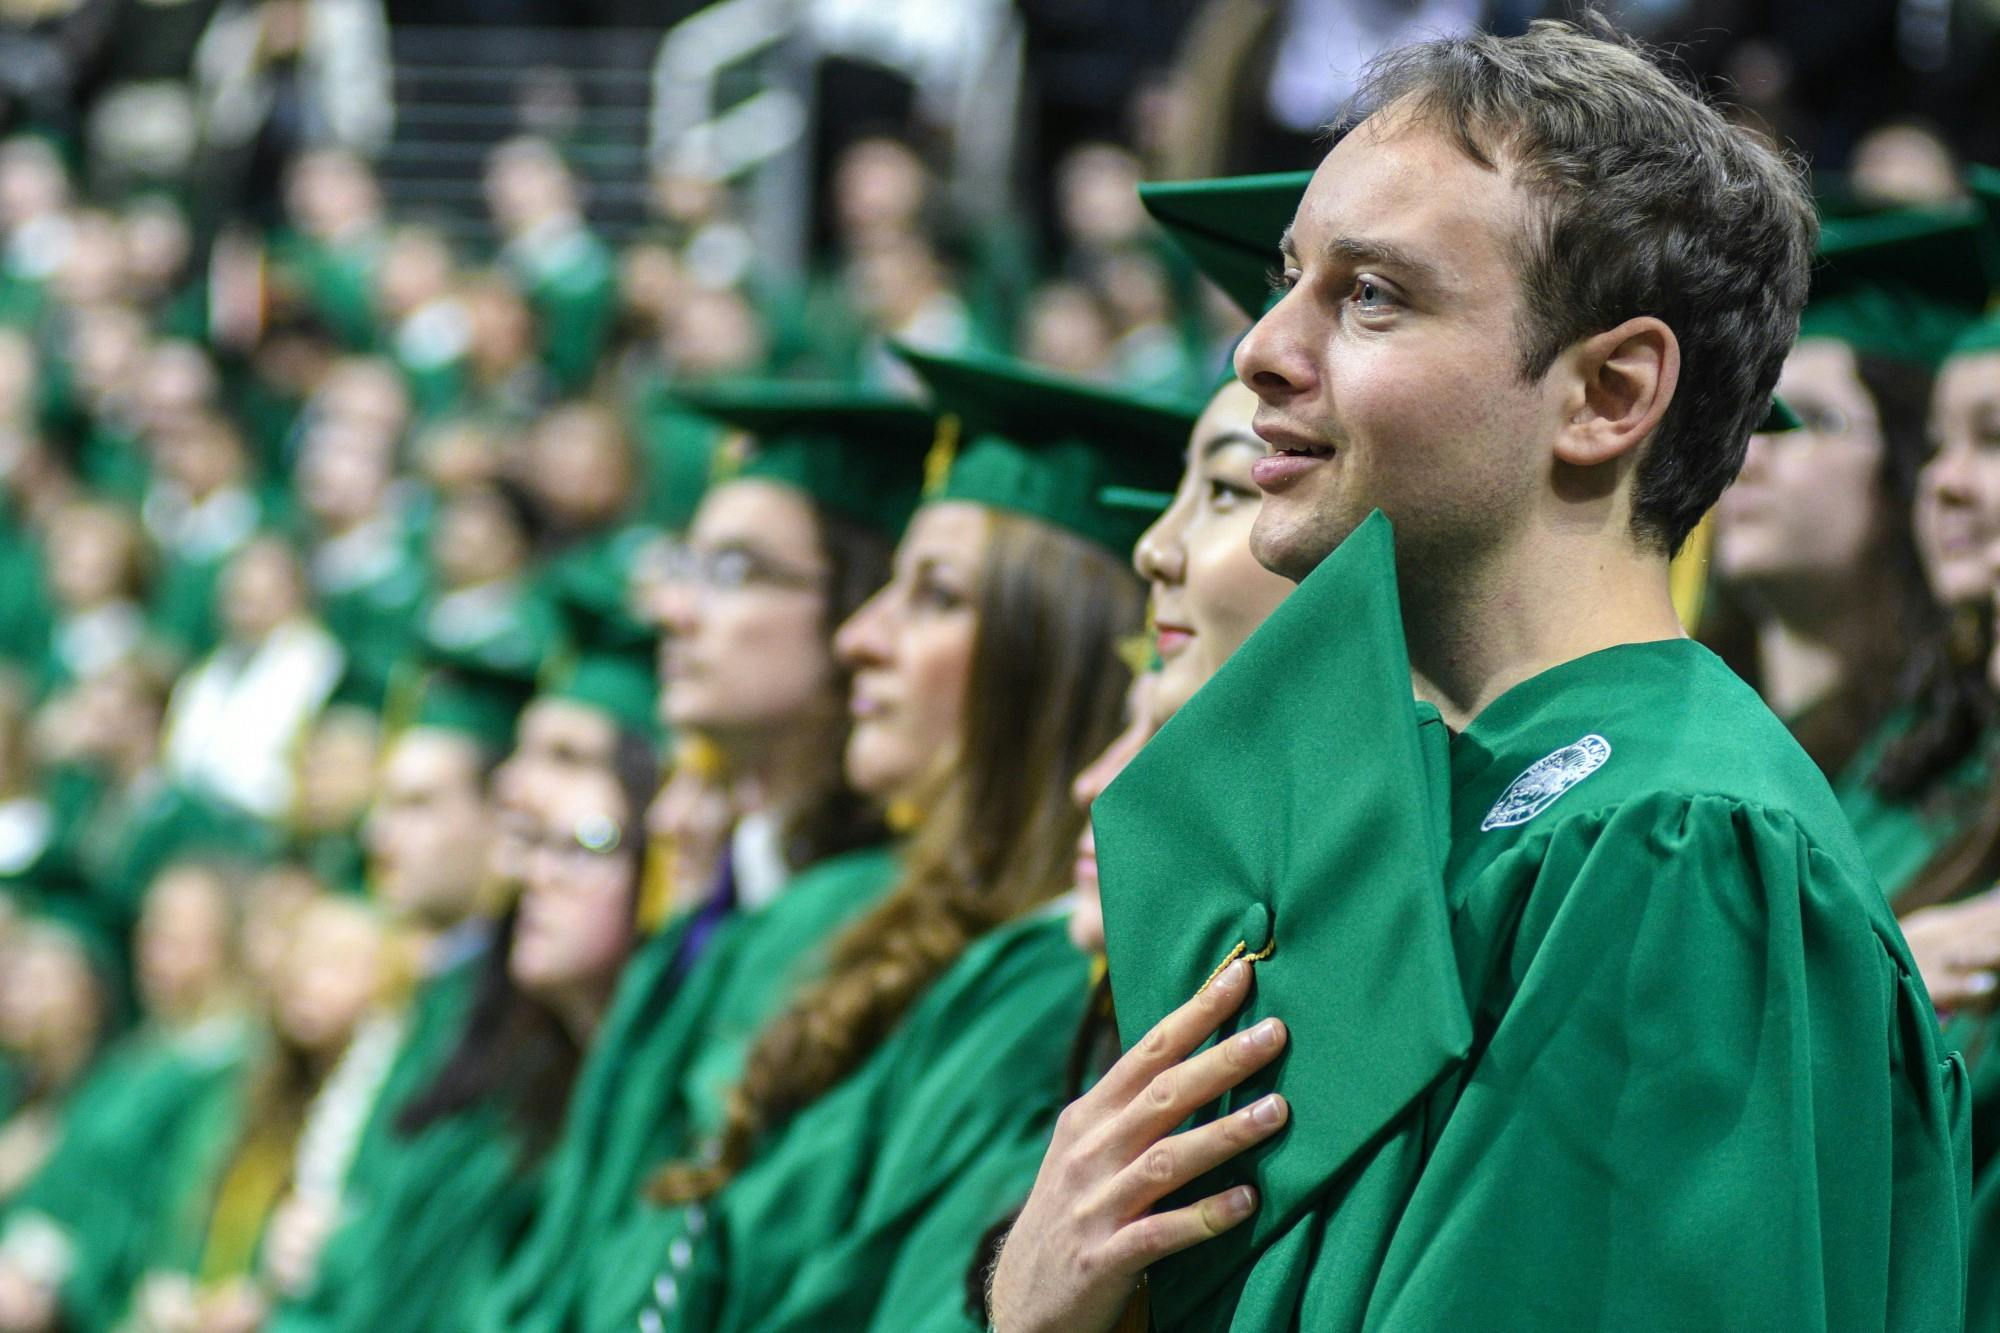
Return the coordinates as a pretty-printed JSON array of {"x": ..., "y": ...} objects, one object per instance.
[
  {"x": 1950, "y": 910},
  {"x": 899, "y": 1101},
  {"x": 1851, "y": 635},
  {"x": 462, "y": 1168},
  {"x": 789, "y": 540}
]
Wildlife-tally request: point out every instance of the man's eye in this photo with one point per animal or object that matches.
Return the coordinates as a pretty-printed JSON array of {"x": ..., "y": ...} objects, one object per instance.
[
  {"x": 1282, "y": 280},
  {"x": 1368, "y": 292}
]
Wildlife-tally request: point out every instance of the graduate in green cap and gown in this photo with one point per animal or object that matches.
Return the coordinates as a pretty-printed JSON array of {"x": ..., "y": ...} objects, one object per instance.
[
  {"x": 792, "y": 535},
  {"x": 366, "y": 558},
  {"x": 295, "y": 1123},
  {"x": 139, "y": 1139},
  {"x": 585, "y": 474},
  {"x": 488, "y": 608},
  {"x": 563, "y": 269},
  {"x": 1819, "y": 595},
  {"x": 475, "y": 1137},
  {"x": 895, "y": 1107},
  {"x": 201, "y": 509},
  {"x": 456, "y": 1163},
  {"x": 428, "y": 838},
  {"x": 1950, "y": 909},
  {"x": 1573, "y": 964},
  {"x": 63, "y": 1002}
]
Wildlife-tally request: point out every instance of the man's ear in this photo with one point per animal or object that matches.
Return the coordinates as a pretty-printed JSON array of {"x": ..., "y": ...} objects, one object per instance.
[{"x": 1624, "y": 380}]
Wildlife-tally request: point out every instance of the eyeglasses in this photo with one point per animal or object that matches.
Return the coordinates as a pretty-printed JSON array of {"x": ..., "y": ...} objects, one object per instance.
[
  {"x": 730, "y": 569},
  {"x": 594, "y": 838}
]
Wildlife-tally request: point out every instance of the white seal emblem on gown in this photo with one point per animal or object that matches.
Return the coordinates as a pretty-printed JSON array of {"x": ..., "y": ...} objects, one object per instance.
[{"x": 1544, "y": 780}]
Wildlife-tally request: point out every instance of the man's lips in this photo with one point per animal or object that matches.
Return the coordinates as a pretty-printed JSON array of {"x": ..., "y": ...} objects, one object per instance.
[
  {"x": 1169, "y": 639},
  {"x": 1292, "y": 456}
]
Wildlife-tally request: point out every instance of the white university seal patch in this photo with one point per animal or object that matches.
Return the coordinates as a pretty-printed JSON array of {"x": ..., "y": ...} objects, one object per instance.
[{"x": 1544, "y": 780}]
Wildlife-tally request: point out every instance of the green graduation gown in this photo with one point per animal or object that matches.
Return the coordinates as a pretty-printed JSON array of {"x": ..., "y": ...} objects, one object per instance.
[
  {"x": 668, "y": 1051},
  {"x": 569, "y": 277},
  {"x": 1705, "y": 1086},
  {"x": 1898, "y": 837},
  {"x": 141, "y": 1142},
  {"x": 439, "y": 1223},
  {"x": 865, "y": 1210},
  {"x": 371, "y": 586},
  {"x": 388, "y": 1169}
]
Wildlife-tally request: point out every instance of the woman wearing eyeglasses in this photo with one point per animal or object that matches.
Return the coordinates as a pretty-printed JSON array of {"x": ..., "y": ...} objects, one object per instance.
[
  {"x": 792, "y": 536},
  {"x": 1829, "y": 597},
  {"x": 899, "y": 1101}
]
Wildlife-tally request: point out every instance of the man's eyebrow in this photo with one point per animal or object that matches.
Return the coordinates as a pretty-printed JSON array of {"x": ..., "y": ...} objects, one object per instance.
[{"x": 1362, "y": 250}]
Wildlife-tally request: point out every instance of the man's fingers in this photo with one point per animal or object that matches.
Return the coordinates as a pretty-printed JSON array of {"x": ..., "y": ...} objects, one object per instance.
[
  {"x": 1173, "y": 1162},
  {"x": 1174, "y": 1036},
  {"x": 1157, "y": 1235},
  {"x": 1174, "y": 1094}
]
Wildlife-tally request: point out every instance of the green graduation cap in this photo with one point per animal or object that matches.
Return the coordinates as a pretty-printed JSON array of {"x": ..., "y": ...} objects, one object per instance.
[
  {"x": 857, "y": 451},
  {"x": 1230, "y": 227},
  {"x": 1020, "y": 438},
  {"x": 592, "y": 590},
  {"x": 623, "y": 685},
  {"x": 483, "y": 707},
  {"x": 464, "y": 691},
  {"x": 608, "y": 663},
  {"x": 1982, "y": 338},
  {"x": 1903, "y": 285},
  {"x": 1295, "y": 812}
]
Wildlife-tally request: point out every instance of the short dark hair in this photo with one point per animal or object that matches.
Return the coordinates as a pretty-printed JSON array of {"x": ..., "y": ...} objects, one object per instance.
[{"x": 1650, "y": 203}]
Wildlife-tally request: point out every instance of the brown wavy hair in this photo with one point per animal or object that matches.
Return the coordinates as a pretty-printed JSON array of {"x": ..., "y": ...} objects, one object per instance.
[{"x": 1043, "y": 698}]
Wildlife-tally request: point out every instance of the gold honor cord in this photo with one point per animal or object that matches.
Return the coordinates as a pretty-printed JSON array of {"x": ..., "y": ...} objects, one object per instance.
[
  {"x": 1269, "y": 948},
  {"x": 943, "y": 453}
]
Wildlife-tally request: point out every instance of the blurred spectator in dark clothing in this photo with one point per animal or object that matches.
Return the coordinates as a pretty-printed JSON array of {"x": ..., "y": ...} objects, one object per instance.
[{"x": 280, "y": 76}]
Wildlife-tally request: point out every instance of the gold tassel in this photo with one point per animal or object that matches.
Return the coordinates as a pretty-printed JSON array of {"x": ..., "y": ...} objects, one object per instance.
[{"x": 943, "y": 453}]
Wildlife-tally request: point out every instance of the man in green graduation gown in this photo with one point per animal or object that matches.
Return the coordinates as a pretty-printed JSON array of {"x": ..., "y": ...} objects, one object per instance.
[{"x": 1661, "y": 1058}]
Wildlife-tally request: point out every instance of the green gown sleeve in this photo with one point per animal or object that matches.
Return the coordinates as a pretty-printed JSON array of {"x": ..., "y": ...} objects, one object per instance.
[
  {"x": 881, "y": 1189},
  {"x": 575, "y": 300},
  {"x": 435, "y": 1235},
  {"x": 1898, "y": 836},
  {"x": 742, "y": 980},
  {"x": 1773, "y": 1138},
  {"x": 1974, "y": 1035},
  {"x": 1982, "y": 1297},
  {"x": 394, "y": 1183},
  {"x": 538, "y": 1289},
  {"x": 140, "y": 1144}
]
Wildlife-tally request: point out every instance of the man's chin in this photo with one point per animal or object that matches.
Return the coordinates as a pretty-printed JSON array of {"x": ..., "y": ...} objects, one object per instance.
[{"x": 1292, "y": 547}]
